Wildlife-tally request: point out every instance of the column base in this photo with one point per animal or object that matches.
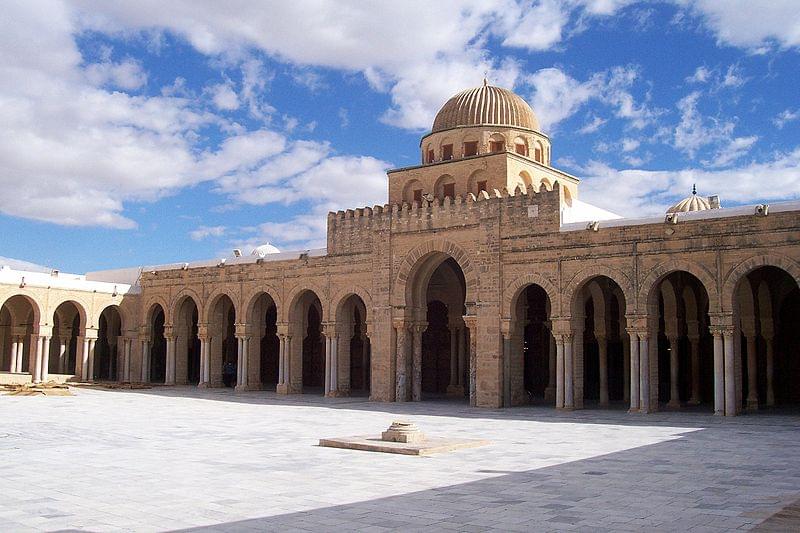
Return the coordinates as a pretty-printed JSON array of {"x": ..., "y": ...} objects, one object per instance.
[
  {"x": 752, "y": 405},
  {"x": 336, "y": 394},
  {"x": 241, "y": 388},
  {"x": 603, "y": 405},
  {"x": 633, "y": 411},
  {"x": 204, "y": 385},
  {"x": 283, "y": 388},
  {"x": 455, "y": 390},
  {"x": 674, "y": 405},
  {"x": 693, "y": 401}
]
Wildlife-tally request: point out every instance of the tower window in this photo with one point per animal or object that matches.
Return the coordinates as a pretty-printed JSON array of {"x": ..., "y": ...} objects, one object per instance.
[
  {"x": 447, "y": 152},
  {"x": 470, "y": 148},
  {"x": 449, "y": 189},
  {"x": 430, "y": 155},
  {"x": 496, "y": 146},
  {"x": 418, "y": 195},
  {"x": 520, "y": 149},
  {"x": 481, "y": 186},
  {"x": 538, "y": 154}
]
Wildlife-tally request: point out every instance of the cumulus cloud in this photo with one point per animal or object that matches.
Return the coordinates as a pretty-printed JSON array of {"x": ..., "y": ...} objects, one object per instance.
[
  {"x": 224, "y": 96},
  {"x": 204, "y": 232},
  {"x": 651, "y": 192},
  {"x": 786, "y": 116},
  {"x": 127, "y": 74},
  {"x": 755, "y": 26},
  {"x": 557, "y": 96}
]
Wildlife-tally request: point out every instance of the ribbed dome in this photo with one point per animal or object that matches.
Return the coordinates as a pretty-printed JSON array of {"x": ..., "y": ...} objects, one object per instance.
[
  {"x": 264, "y": 250},
  {"x": 692, "y": 203},
  {"x": 485, "y": 105}
]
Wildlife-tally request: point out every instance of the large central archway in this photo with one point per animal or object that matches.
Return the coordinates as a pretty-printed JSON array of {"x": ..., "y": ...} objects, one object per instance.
[{"x": 436, "y": 304}]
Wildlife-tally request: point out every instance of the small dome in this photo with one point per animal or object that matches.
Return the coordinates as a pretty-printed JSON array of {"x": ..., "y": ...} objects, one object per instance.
[
  {"x": 264, "y": 249},
  {"x": 485, "y": 105},
  {"x": 692, "y": 203}
]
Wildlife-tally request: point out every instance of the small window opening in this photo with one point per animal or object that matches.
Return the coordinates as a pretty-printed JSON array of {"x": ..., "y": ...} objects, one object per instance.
[
  {"x": 520, "y": 149},
  {"x": 481, "y": 185},
  {"x": 470, "y": 148},
  {"x": 447, "y": 152},
  {"x": 449, "y": 189},
  {"x": 538, "y": 155},
  {"x": 430, "y": 156},
  {"x": 418, "y": 195},
  {"x": 496, "y": 146}
]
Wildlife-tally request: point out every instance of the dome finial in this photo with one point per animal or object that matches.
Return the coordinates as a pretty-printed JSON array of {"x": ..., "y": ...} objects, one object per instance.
[
  {"x": 694, "y": 188},
  {"x": 485, "y": 80}
]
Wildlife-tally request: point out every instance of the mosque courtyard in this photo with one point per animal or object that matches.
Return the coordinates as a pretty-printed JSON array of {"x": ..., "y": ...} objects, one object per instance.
[{"x": 181, "y": 458}]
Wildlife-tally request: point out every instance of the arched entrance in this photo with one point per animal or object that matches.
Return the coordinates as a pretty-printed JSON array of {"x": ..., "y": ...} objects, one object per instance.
[
  {"x": 767, "y": 309},
  {"x": 19, "y": 318},
  {"x": 683, "y": 345},
  {"x": 601, "y": 355},
  {"x": 353, "y": 350},
  {"x": 187, "y": 342},
  {"x": 108, "y": 347},
  {"x": 157, "y": 362},
  {"x": 532, "y": 364},
  {"x": 223, "y": 350},
  {"x": 265, "y": 344},
  {"x": 436, "y": 358},
  {"x": 305, "y": 319},
  {"x": 67, "y": 327}
]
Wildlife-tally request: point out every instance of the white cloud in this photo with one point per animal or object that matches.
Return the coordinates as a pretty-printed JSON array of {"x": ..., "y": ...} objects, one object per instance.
[
  {"x": 736, "y": 148},
  {"x": 701, "y": 75},
  {"x": 648, "y": 193},
  {"x": 629, "y": 145},
  {"x": 786, "y": 116},
  {"x": 593, "y": 125},
  {"x": 557, "y": 96},
  {"x": 733, "y": 77},
  {"x": 127, "y": 74},
  {"x": 204, "y": 232},
  {"x": 755, "y": 26},
  {"x": 693, "y": 131},
  {"x": 224, "y": 97}
]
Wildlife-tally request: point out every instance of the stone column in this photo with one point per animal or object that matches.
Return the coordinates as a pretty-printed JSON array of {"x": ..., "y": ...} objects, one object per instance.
[
  {"x": 506, "y": 366},
  {"x": 674, "y": 391},
  {"x": 635, "y": 369},
  {"x": 752, "y": 372},
  {"x": 204, "y": 379},
  {"x": 169, "y": 374},
  {"x": 284, "y": 359},
  {"x": 644, "y": 371},
  {"x": 126, "y": 359},
  {"x": 569, "y": 381},
  {"x": 243, "y": 345},
  {"x": 694, "y": 355},
  {"x": 365, "y": 360},
  {"x": 719, "y": 371},
  {"x": 550, "y": 390},
  {"x": 471, "y": 322},
  {"x": 145, "y": 360},
  {"x": 770, "y": 371},
  {"x": 91, "y": 359},
  {"x": 335, "y": 363},
  {"x": 453, "y": 385},
  {"x": 462, "y": 359},
  {"x": 602, "y": 352},
  {"x": 281, "y": 359},
  {"x": 63, "y": 346},
  {"x": 113, "y": 354},
  {"x": 416, "y": 363},
  {"x": 327, "y": 387},
  {"x": 730, "y": 371},
  {"x": 559, "y": 339},
  {"x": 626, "y": 367},
  {"x": 44, "y": 357},
  {"x": 16, "y": 345},
  {"x": 401, "y": 354}
]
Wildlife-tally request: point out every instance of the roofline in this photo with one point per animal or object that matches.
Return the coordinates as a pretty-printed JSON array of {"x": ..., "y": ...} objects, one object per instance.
[
  {"x": 530, "y": 130},
  {"x": 490, "y": 154}
]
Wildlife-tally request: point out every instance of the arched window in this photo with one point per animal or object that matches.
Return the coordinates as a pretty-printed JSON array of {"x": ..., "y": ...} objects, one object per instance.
[
  {"x": 470, "y": 148},
  {"x": 412, "y": 192},
  {"x": 538, "y": 154},
  {"x": 445, "y": 186},
  {"x": 521, "y": 146}
]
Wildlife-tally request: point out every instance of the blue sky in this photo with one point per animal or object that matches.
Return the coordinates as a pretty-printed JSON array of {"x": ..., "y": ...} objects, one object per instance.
[{"x": 151, "y": 132}]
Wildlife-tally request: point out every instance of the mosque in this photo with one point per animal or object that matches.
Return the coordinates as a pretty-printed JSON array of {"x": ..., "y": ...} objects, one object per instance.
[{"x": 484, "y": 279}]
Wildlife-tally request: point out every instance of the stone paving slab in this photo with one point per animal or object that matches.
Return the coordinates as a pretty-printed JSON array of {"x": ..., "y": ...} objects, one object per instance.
[{"x": 187, "y": 459}]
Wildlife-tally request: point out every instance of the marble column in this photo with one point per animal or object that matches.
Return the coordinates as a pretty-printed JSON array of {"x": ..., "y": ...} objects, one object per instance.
[
  {"x": 462, "y": 344},
  {"x": 44, "y": 358},
  {"x": 602, "y": 354},
  {"x": 365, "y": 374},
  {"x": 169, "y": 375},
  {"x": 416, "y": 362},
  {"x": 633, "y": 341},
  {"x": 453, "y": 360},
  {"x": 644, "y": 371},
  {"x": 242, "y": 362},
  {"x": 770, "y": 372},
  {"x": 719, "y": 372},
  {"x": 16, "y": 345},
  {"x": 126, "y": 360},
  {"x": 550, "y": 390},
  {"x": 471, "y": 322},
  {"x": 90, "y": 361},
  {"x": 752, "y": 372},
  {"x": 145, "y": 361},
  {"x": 401, "y": 353},
  {"x": 730, "y": 372},
  {"x": 204, "y": 379},
  {"x": 569, "y": 382},
  {"x": 559, "y": 371},
  {"x": 281, "y": 360},
  {"x": 694, "y": 356},
  {"x": 63, "y": 346},
  {"x": 626, "y": 367},
  {"x": 674, "y": 391},
  {"x": 506, "y": 369}
]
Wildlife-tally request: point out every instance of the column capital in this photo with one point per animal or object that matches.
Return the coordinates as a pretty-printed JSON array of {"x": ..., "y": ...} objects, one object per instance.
[
  {"x": 91, "y": 334},
  {"x": 637, "y": 330},
  {"x": 400, "y": 323},
  {"x": 561, "y": 326},
  {"x": 471, "y": 321},
  {"x": 329, "y": 330},
  {"x": 505, "y": 327},
  {"x": 240, "y": 329},
  {"x": 203, "y": 332},
  {"x": 721, "y": 329},
  {"x": 169, "y": 331},
  {"x": 420, "y": 327},
  {"x": 721, "y": 319},
  {"x": 45, "y": 331}
]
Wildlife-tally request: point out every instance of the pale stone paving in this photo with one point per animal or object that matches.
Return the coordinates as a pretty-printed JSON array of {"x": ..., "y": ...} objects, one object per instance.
[{"x": 184, "y": 458}]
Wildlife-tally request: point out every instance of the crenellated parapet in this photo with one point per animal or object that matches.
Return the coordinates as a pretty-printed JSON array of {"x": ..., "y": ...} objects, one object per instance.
[{"x": 522, "y": 210}]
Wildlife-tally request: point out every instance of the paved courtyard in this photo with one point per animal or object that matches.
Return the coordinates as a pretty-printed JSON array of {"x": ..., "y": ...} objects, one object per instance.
[{"x": 181, "y": 458}]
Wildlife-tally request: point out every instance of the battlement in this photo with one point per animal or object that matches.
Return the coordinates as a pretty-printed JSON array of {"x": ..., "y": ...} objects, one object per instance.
[{"x": 352, "y": 230}]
